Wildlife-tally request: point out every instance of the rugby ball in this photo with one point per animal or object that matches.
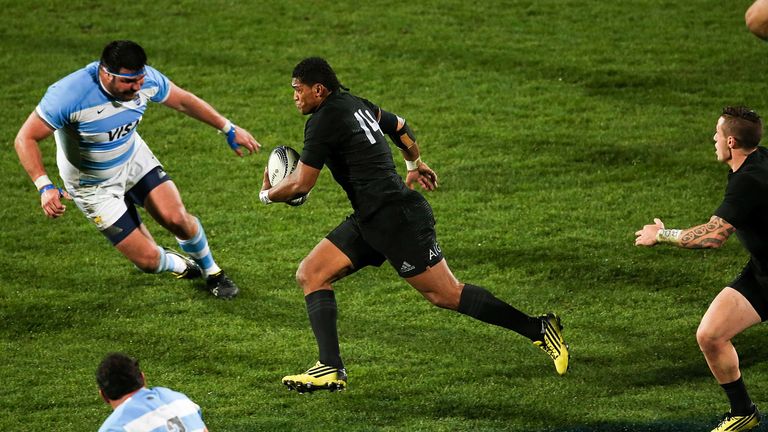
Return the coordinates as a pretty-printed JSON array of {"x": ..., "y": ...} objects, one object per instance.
[{"x": 282, "y": 161}]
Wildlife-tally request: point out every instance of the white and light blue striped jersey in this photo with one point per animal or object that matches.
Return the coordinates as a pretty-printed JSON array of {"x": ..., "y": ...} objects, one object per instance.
[
  {"x": 155, "y": 410},
  {"x": 95, "y": 133}
]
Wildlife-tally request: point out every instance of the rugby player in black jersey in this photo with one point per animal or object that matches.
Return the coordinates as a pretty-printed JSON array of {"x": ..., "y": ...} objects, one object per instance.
[
  {"x": 390, "y": 222},
  {"x": 744, "y": 302}
]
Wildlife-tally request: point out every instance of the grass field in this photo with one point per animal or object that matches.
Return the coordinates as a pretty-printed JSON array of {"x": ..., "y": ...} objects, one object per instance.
[{"x": 557, "y": 128}]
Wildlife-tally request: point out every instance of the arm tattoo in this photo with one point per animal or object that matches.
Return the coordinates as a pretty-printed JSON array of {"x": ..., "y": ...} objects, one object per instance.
[{"x": 709, "y": 235}]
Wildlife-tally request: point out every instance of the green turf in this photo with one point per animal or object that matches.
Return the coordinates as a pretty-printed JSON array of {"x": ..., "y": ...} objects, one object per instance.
[{"x": 557, "y": 128}]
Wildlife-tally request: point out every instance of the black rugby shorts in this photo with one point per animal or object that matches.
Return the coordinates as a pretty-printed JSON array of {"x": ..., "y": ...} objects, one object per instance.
[
  {"x": 401, "y": 232},
  {"x": 747, "y": 284}
]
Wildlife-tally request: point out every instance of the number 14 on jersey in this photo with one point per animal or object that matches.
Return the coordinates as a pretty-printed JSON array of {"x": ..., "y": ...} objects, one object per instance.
[{"x": 365, "y": 118}]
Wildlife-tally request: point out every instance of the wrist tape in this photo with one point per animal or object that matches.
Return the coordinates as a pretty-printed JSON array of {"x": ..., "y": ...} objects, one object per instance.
[
  {"x": 669, "y": 235},
  {"x": 42, "y": 181},
  {"x": 413, "y": 165}
]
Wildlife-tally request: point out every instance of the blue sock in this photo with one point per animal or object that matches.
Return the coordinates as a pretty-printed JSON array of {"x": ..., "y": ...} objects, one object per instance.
[
  {"x": 197, "y": 248},
  {"x": 162, "y": 266},
  {"x": 169, "y": 263}
]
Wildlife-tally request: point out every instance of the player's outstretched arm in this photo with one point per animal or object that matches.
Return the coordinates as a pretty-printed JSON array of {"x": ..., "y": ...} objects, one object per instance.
[
  {"x": 27, "y": 148},
  {"x": 756, "y": 18},
  {"x": 712, "y": 234},
  {"x": 191, "y": 105}
]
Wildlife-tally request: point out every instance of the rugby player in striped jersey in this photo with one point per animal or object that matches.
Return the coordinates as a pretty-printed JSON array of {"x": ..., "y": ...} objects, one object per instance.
[
  {"x": 138, "y": 408},
  {"x": 108, "y": 169}
]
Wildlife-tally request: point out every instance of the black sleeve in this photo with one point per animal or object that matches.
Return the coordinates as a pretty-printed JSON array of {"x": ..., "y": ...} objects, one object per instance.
[
  {"x": 739, "y": 201},
  {"x": 316, "y": 143},
  {"x": 388, "y": 122}
]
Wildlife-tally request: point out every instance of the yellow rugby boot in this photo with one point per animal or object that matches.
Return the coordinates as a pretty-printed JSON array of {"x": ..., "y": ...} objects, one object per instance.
[
  {"x": 552, "y": 342},
  {"x": 318, "y": 377},
  {"x": 738, "y": 423}
]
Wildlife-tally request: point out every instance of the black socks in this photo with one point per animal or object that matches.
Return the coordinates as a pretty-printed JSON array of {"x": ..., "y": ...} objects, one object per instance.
[
  {"x": 736, "y": 391},
  {"x": 321, "y": 308},
  {"x": 475, "y": 301},
  {"x": 480, "y": 304}
]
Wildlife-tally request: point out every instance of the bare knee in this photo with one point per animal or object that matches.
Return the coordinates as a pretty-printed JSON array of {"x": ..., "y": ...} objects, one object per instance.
[
  {"x": 316, "y": 273},
  {"x": 302, "y": 275},
  {"x": 708, "y": 341},
  {"x": 181, "y": 224},
  {"x": 310, "y": 278},
  {"x": 147, "y": 261}
]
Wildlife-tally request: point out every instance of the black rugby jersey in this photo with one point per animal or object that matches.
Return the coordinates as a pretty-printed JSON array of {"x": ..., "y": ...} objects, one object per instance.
[
  {"x": 745, "y": 206},
  {"x": 344, "y": 135}
]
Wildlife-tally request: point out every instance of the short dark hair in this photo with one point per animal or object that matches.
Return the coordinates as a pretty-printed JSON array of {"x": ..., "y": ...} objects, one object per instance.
[
  {"x": 743, "y": 124},
  {"x": 313, "y": 70},
  {"x": 118, "y": 375},
  {"x": 123, "y": 54}
]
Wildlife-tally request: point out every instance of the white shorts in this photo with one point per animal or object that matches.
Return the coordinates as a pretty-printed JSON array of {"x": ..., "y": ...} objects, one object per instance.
[{"x": 104, "y": 203}]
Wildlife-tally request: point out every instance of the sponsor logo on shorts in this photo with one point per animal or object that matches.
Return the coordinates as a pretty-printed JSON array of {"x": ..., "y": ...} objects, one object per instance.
[
  {"x": 406, "y": 267},
  {"x": 435, "y": 251}
]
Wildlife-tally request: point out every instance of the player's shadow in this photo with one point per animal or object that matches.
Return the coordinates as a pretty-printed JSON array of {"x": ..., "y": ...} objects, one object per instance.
[{"x": 444, "y": 405}]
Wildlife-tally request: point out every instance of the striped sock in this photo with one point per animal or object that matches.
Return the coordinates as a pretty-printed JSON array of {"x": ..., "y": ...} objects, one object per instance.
[
  {"x": 197, "y": 249},
  {"x": 169, "y": 263}
]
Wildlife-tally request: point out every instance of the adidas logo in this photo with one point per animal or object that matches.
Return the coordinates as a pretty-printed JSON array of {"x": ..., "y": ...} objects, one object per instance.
[{"x": 406, "y": 267}]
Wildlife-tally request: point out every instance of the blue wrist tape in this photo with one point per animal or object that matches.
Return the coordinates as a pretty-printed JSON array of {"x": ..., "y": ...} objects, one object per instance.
[
  {"x": 231, "y": 138},
  {"x": 49, "y": 187}
]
